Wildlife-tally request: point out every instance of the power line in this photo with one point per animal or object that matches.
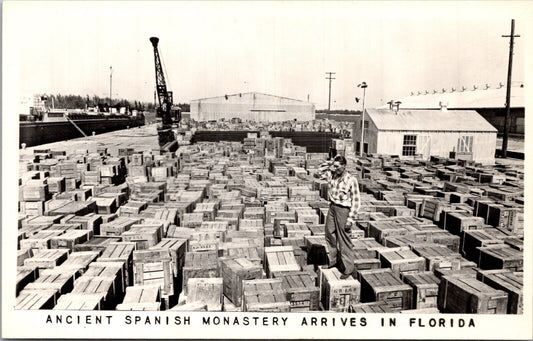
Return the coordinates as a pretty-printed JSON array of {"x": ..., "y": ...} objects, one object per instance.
[{"x": 330, "y": 78}]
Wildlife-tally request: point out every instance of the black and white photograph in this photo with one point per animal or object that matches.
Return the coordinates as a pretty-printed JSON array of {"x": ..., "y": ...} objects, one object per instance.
[{"x": 266, "y": 170}]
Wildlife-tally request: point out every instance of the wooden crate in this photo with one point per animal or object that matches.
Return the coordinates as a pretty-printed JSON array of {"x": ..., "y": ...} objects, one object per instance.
[
  {"x": 79, "y": 261},
  {"x": 338, "y": 294},
  {"x": 79, "y": 208},
  {"x": 40, "y": 240},
  {"x": 144, "y": 236},
  {"x": 317, "y": 250},
  {"x": 383, "y": 228},
  {"x": 476, "y": 238},
  {"x": 25, "y": 275},
  {"x": 467, "y": 295},
  {"x": 70, "y": 238},
  {"x": 61, "y": 280},
  {"x": 383, "y": 285},
  {"x": 302, "y": 292},
  {"x": 88, "y": 285},
  {"x": 89, "y": 222},
  {"x": 264, "y": 295},
  {"x": 176, "y": 249},
  {"x": 154, "y": 267},
  {"x": 509, "y": 282},
  {"x": 458, "y": 222},
  {"x": 500, "y": 257},
  {"x": 380, "y": 307},
  {"x": 120, "y": 252},
  {"x": 47, "y": 259},
  {"x": 192, "y": 220},
  {"x": 402, "y": 261},
  {"x": 208, "y": 291},
  {"x": 295, "y": 230},
  {"x": 142, "y": 298},
  {"x": 96, "y": 243},
  {"x": 36, "y": 299},
  {"x": 244, "y": 250},
  {"x": 200, "y": 265},
  {"x": 425, "y": 289},
  {"x": 365, "y": 260},
  {"x": 233, "y": 272},
  {"x": 437, "y": 256},
  {"x": 280, "y": 258},
  {"x": 111, "y": 270},
  {"x": 118, "y": 226},
  {"x": 80, "y": 302},
  {"x": 105, "y": 205}
]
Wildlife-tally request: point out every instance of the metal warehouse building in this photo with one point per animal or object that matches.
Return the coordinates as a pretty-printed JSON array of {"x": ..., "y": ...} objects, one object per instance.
[
  {"x": 252, "y": 106},
  {"x": 424, "y": 133}
]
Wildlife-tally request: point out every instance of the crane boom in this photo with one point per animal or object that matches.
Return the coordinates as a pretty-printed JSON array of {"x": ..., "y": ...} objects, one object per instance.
[{"x": 164, "y": 110}]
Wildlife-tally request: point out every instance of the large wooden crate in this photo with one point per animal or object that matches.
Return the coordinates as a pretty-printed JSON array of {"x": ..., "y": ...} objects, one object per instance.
[
  {"x": 383, "y": 285},
  {"x": 264, "y": 295},
  {"x": 25, "y": 275},
  {"x": 36, "y": 299},
  {"x": 476, "y": 238},
  {"x": 79, "y": 261},
  {"x": 458, "y": 222},
  {"x": 88, "y": 285},
  {"x": 500, "y": 257},
  {"x": 118, "y": 226},
  {"x": 365, "y": 260},
  {"x": 244, "y": 249},
  {"x": 280, "y": 258},
  {"x": 143, "y": 235},
  {"x": 380, "y": 307},
  {"x": 142, "y": 298},
  {"x": 40, "y": 240},
  {"x": 338, "y": 294},
  {"x": 47, "y": 259},
  {"x": 381, "y": 229},
  {"x": 80, "y": 302},
  {"x": 207, "y": 291},
  {"x": 96, "y": 243},
  {"x": 437, "y": 256},
  {"x": 53, "y": 279},
  {"x": 467, "y": 295},
  {"x": 176, "y": 249},
  {"x": 233, "y": 272},
  {"x": 121, "y": 252},
  {"x": 200, "y": 265},
  {"x": 70, "y": 238},
  {"x": 154, "y": 267},
  {"x": 425, "y": 289},
  {"x": 402, "y": 261},
  {"x": 509, "y": 282},
  {"x": 302, "y": 292}
]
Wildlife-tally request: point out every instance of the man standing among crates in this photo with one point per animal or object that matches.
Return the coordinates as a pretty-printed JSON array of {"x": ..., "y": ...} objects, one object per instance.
[{"x": 345, "y": 202}]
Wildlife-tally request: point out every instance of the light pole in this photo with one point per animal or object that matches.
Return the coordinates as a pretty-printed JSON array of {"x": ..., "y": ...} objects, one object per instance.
[
  {"x": 364, "y": 86},
  {"x": 110, "y": 85}
]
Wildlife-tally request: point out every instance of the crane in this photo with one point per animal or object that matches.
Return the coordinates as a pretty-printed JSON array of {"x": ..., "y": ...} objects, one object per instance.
[{"x": 167, "y": 140}]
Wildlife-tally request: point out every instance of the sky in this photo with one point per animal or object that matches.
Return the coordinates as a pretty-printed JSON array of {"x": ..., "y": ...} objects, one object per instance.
[{"x": 280, "y": 48}]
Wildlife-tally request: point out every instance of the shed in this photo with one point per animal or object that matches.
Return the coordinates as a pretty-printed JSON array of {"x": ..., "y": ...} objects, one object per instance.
[
  {"x": 424, "y": 133},
  {"x": 252, "y": 106}
]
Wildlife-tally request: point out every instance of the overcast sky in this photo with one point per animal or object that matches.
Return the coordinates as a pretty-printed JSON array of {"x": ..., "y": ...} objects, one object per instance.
[{"x": 212, "y": 49}]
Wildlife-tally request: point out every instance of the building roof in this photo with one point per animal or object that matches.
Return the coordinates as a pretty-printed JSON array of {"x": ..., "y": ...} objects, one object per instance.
[
  {"x": 465, "y": 99},
  {"x": 248, "y": 96},
  {"x": 429, "y": 120}
]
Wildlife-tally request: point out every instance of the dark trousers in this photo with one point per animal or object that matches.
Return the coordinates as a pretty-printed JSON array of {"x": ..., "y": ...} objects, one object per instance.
[{"x": 340, "y": 245}]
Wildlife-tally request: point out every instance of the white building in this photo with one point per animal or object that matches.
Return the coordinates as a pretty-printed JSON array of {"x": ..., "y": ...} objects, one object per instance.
[
  {"x": 252, "y": 106},
  {"x": 424, "y": 133}
]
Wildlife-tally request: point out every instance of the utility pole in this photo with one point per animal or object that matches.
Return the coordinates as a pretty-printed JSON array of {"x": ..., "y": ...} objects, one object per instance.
[
  {"x": 330, "y": 78},
  {"x": 362, "y": 85},
  {"x": 110, "y": 86},
  {"x": 508, "y": 95}
]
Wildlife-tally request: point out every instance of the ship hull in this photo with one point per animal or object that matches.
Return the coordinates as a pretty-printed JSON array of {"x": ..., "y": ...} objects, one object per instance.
[{"x": 37, "y": 133}]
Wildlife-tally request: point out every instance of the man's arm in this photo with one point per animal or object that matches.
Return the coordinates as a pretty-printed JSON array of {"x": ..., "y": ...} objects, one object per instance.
[
  {"x": 324, "y": 171},
  {"x": 356, "y": 201}
]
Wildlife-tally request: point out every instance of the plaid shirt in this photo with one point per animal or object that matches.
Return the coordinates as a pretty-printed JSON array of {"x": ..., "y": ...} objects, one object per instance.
[{"x": 343, "y": 190}]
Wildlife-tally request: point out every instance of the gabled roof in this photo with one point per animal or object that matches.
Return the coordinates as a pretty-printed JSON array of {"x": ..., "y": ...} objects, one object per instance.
[
  {"x": 248, "y": 96},
  {"x": 465, "y": 99},
  {"x": 429, "y": 120}
]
